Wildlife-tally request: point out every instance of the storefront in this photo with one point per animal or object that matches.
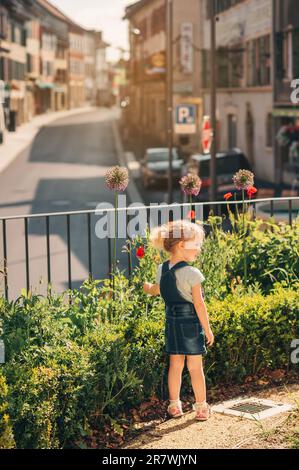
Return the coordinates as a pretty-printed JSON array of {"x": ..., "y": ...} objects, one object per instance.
[
  {"x": 44, "y": 97},
  {"x": 286, "y": 125}
]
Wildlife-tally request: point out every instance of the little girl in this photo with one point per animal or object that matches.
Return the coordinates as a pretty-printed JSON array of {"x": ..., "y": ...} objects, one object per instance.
[{"x": 187, "y": 321}]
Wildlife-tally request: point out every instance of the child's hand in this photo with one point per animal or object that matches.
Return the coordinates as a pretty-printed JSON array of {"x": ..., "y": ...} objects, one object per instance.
[
  {"x": 210, "y": 337},
  {"x": 151, "y": 289},
  {"x": 146, "y": 287}
]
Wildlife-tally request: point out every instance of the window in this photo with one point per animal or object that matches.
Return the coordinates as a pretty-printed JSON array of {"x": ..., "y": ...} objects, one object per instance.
[
  {"x": 229, "y": 67},
  {"x": 287, "y": 54},
  {"x": 16, "y": 70},
  {"x": 158, "y": 20},
  {"x": 48, "y": 68},
  {"x": 221, "y": 5},
  {"x": 206, "y": 68},
  {"x": 269, "y": 130},
  {"x": 223, "y": 68},
  {"x": 49, "y": 42},
  {"x": 3, "y": 23},
  {"x": 29, "y": 63},
  {"x": 60, "y": 53},
  {"x": 258, "y": 62},
  {"x": 61, "y": 76},
  {"x": 232, "y": 130}
]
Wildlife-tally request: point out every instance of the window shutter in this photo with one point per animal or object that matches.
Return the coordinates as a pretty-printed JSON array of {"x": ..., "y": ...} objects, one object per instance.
[
  {"x": 203, "y": 68},
  {"x": 296, "y": 53},
  {"x": 24, "y": 37},
  {"x": 279, "y": 56}
]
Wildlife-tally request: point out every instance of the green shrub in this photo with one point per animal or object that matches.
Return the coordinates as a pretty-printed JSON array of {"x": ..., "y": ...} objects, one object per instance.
[
  {"x": 62, "y": 385},
  {"x": 252, "y": 332},
  {"x": 6, "y": 434}
]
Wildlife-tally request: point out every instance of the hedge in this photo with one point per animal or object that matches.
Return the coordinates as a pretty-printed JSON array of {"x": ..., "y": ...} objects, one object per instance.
[{"x": 72, "y": 368}]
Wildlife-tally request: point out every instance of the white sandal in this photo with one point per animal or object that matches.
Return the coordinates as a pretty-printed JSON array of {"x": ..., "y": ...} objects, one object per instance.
[
  {"x": 203, "y": 411},
  {"x": 176, "y": 406}
]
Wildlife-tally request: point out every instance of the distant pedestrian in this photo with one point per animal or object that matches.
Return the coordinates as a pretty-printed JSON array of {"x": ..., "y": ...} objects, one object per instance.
[{"x": 187, "y": 321}]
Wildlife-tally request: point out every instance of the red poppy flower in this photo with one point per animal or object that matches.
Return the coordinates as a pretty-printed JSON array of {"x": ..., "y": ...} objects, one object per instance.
[
  {"x": 227, "y": 196},
  {"x": 140, "y": 253},
  {"x": 251, "y": 191},
  {"x": 191, "y": 215}
]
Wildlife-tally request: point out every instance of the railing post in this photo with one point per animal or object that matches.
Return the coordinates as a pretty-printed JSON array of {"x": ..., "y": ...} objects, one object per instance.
[
  {"x": 27, "y": 255},
  {"x": 290, "y": 213},
  {"x": 69, "y": 261},
  {"x": 48, "y": 249},
  {"x": 129, "y": 247},
  {"x": 89, "y": 245},
  {"x": 5, "y": 259}
]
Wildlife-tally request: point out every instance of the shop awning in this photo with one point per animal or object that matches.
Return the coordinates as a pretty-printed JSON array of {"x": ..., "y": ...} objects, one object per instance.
[
  {"x": 45, "y": 85},
  {"x": 286, "y": 112}
]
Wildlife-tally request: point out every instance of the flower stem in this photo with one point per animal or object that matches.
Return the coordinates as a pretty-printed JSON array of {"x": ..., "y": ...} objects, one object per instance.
[
  {"x": 244, "y": 241},
  {"x": 115, "y": 236}
]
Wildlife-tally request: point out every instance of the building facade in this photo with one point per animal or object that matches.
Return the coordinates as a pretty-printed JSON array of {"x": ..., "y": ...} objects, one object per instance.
[
  {"x": 103, "y": 76},
  {"x": 147, "y": 34},
  {"x": 285, "y": 93},
  {"x": 90, "y": 66},
  {"x": 13, "y": 58},
  {"x": 244, "y": 79},
  {"x": 48, "y": 63},
  {"x": 76, "y": 66}
]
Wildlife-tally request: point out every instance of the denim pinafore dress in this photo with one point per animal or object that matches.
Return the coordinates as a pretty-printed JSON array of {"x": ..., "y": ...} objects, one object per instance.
[{"x": 183, "y": 331}]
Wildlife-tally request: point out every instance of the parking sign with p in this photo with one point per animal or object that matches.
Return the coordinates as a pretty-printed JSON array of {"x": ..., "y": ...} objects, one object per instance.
[{"x": 185, "y": 119}]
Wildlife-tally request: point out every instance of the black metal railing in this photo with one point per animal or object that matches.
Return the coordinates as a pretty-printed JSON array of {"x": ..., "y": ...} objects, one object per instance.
[{"x": 92, "y": 252}]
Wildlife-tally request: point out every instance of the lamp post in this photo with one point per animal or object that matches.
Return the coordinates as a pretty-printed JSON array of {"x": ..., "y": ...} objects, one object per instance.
[
  {"x": 213, "y": 174},
  {"x": 137, "y": 33},
  {"x": 169, "y": 94}
]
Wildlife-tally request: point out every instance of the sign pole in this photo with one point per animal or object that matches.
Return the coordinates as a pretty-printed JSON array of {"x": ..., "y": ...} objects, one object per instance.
[
  {"x": 213, "y": 174},
  {"x": 169, "y": 90}
]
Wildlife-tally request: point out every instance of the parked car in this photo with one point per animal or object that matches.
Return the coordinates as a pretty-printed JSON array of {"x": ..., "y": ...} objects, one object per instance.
[
  {"x": 155, "y": 164},
  {"x": 227, "y": 164}
]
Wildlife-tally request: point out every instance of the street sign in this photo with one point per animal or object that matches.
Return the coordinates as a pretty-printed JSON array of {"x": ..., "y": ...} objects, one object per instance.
[
  {"x": 187, "y": 48},
  {"x": 206, "y": 135},
  {"x": 185, "y": 119}
]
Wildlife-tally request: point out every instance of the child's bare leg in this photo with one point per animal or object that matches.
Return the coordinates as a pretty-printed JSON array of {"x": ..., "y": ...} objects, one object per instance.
[
  {"x": 194, "y": 364},
  {"x": 176, "y": 366}
]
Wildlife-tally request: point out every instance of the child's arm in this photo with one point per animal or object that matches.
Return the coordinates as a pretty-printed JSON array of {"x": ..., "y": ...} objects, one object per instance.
[
  {"x": 151, "y": 289},
  {"x": 202, "y": 313}
]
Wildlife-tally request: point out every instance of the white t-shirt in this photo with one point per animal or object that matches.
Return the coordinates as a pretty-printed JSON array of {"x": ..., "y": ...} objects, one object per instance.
[{"x": 186, "y": 278}]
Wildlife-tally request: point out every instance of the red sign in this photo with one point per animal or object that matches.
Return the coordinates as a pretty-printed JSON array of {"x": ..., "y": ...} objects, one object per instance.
[{"x": 206, "y": 135}]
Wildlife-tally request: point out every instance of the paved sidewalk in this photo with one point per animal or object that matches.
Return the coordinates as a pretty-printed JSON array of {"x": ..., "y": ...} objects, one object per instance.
[
  {"x": 220, "y": 431},
  {"x": 16, "y": 142}
]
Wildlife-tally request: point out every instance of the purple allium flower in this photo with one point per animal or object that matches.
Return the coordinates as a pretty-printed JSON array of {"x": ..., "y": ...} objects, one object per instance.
[
  {"x": 117, "y": 178},
  {"x": 190, "y": 184},
  {"x": 243, "y": 179}
]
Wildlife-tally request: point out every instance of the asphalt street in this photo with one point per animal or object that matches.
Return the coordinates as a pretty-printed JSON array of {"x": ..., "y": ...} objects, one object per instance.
[{"x": 63, "y": 171}]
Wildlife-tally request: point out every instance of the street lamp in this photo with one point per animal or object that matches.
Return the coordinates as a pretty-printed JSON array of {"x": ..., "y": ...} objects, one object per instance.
[
  {"x": 213, "y": 174},
  {"x": 137, "y": 33},
  {"x": 169, "y": 94}
]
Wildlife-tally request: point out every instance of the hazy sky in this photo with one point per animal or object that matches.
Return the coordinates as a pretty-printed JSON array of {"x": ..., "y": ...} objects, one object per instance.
[{"x": 105, "y": 15}]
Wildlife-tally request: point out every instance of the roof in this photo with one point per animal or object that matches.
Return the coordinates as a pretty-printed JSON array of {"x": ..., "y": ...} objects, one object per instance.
[
  {"x": 52, "y": 9},
  {"x": 99, "y": 37},
  {"x": 134, "y": 8},
  {"x": 58, "y": 13}
]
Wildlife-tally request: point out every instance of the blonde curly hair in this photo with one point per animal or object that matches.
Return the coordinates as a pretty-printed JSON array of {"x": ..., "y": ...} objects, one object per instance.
[{"x": 166, "y": 236}]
